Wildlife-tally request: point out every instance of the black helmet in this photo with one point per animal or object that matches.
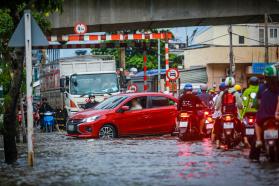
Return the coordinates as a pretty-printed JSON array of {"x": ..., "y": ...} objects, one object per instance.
[{"x": 254, "y": 80}]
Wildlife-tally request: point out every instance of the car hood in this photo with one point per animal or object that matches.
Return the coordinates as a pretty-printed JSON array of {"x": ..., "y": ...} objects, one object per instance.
[{"x": 89, "y": 113}]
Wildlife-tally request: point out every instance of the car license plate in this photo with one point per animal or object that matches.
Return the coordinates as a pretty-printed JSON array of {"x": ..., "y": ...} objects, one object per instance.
[
  {"x": 228, "y": 125},
  {"x": 250, "y": 131},
  {"x": 270, "y": 134},
  {"x": 183, "y": 124},
  {"x": 71, "y": 127},
  {"x": 209, "y": 126}
]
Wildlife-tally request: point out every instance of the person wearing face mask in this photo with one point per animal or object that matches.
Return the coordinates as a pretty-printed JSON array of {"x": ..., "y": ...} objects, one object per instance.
[{"x": 90, "y": 102}]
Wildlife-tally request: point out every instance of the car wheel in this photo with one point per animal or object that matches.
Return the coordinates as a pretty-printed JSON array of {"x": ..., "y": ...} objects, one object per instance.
[{"x": 107, "y": 132}]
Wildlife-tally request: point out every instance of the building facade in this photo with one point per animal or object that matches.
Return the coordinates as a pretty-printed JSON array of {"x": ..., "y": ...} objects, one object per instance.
[{"x": 211, "y": 50}]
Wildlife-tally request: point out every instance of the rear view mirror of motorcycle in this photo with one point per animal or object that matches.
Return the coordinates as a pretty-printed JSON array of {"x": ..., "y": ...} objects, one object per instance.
[{"x": 253, "y": 95}]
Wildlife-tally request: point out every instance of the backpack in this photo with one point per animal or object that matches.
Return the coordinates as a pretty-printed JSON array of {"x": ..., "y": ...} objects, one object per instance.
[{"x": 229, "y": 103}]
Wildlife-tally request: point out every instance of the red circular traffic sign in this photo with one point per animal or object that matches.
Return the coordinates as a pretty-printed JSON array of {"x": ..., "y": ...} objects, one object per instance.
[
  {"x": 80, "y": 28},
  {"x": 172, "y": 74},
  {"x": 133, "y": 87}
]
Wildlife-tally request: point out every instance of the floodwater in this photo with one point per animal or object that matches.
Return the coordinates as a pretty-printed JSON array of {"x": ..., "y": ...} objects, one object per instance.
[{"x": 135, "y": 161}]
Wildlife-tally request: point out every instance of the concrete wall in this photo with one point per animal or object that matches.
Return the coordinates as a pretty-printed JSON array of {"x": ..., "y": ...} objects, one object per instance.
[
  {"x": 216, "y": 72},
  {"x": 111, "y": 15},
  {"x": 250, "y": 31}
]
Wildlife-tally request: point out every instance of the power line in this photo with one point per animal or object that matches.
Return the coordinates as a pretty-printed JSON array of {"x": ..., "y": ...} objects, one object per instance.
[
  {"x": 253, "y": 39},
  {"x": 211, "y": 39}
]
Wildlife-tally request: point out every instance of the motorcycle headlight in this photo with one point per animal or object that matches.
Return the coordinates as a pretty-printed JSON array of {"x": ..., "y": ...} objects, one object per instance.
[{"x": 90, "y": 119}]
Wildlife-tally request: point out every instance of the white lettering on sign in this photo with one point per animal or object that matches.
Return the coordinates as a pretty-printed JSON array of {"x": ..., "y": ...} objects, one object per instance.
[{"x": 80, "y": 28}]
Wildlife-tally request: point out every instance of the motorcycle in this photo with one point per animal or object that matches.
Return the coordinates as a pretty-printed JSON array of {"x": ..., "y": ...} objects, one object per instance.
[
  {"x": 229, "y": 137},
  {"x": 271, "y": 141},
  {"x": 187, "y": 129},
  {"x": 209, "y": 122},
  {"x": 48, "y": 119},
  {"x": 249, "y": 121}
]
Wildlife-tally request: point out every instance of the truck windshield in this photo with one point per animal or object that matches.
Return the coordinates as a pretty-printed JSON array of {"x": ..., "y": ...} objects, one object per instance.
[
  {"x": 110, "y": 103},
  {"x": 86, "y": 84}
]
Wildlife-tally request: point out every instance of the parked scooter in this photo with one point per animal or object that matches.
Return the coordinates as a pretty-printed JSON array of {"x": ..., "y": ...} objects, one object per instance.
[
  {"x": 48, "y": 121},
  {"x": 187, "y": 128}
]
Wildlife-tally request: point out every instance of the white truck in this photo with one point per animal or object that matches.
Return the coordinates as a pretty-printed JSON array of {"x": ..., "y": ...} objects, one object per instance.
[{"x": 70, "y": 81}]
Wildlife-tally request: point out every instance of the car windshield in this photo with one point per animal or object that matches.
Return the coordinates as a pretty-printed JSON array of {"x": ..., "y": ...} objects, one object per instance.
[
  {"x": 86, "y": 84},
  {"x": 110, "y": 103}
]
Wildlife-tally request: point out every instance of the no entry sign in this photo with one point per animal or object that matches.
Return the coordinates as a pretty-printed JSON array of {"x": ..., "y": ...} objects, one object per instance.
[
  {"x": 172, "y": 74},
  {"x": 80, "y": 28},
  {"x": 133, "y": 88}
]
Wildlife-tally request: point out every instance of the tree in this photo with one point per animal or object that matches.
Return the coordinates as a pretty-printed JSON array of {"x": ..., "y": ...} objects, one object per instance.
[{"x": 10, "y": 13}]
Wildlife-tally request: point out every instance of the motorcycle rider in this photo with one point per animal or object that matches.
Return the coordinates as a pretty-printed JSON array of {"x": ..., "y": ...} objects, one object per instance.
[
  {"x": 249, "y": 104},
  {"x": 189, "y": 102},
  {"x": 206, "y": 99},
  {"x": 267, "y": 97},
  {"x": 220, "y": 105},
  {"x": 45, "y": 107}
]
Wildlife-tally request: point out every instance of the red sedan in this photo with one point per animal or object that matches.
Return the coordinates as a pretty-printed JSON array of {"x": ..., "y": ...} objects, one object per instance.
[{"x": 126, "y": 115}]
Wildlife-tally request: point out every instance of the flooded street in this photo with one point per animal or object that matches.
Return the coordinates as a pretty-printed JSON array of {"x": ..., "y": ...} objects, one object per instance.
[{"x": 134, "y": 161}]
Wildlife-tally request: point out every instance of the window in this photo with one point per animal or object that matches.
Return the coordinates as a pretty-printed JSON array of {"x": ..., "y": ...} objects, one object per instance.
[
  {"x": 241, "y": 39},
  {"x": 137, "y": 103},
  {"x": 261, "y": 36},
  {"x": 273, "y": 33},
  {"x": 160, "y": 101}
]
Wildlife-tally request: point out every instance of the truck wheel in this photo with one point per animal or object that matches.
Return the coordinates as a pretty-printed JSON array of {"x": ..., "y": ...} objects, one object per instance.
[{"x": 107, "y": 132}]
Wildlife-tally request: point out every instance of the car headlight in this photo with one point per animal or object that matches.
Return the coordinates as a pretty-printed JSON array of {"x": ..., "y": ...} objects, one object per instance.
[{"x": 90, "y": 119}]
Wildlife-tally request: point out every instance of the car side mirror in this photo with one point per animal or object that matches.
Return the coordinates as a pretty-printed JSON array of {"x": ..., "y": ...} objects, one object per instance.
[{"x": 125, "y": 108}]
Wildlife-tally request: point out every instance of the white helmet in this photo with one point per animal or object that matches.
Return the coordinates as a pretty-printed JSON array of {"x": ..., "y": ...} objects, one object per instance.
[
  {"x": 204, "y": 87},
  {"x": 230, "y": 82}
]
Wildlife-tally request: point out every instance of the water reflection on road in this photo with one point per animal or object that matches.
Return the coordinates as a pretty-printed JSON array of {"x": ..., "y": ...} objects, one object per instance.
[{"x": 135, "y": 161}]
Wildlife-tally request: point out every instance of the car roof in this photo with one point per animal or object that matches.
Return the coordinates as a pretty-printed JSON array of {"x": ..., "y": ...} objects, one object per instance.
[{"x": 148, "y": 94}]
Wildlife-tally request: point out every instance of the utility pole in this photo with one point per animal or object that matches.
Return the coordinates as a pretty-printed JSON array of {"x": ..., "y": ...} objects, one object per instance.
[
  {"x": 23, "y": 129},
  {"x": 266, "y": 57},
  {"x": 29, "y": 87},
  {"x": 231, "y": 51},
  {"x": 159, "y": 65}
]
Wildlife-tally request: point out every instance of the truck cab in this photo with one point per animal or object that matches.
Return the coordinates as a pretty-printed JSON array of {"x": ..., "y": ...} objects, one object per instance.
[{"x": 79, "y": 86}]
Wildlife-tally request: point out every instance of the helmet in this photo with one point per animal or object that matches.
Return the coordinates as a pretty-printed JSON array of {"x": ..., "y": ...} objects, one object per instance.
[
  {"x": 254, "y": 80},
  {"x": 212, "y": 90},
  {"x": 229, "y": 82},
  {"x": 237, "y": 87},
  {"x": 270, "y": 71},
  {"x": 222, "y": 86},
  {"x": 204, "y": 87},
  {"x": 188, "y": 86}
]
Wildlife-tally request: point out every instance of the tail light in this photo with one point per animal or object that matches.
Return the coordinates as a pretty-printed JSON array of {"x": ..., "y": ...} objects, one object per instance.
[
  {"x": 184, "y": 115},
  {"x": 228, "y": 118},
  {"x": 251, "y": 121},
  {"x": 72, "y": 104},
  {"x": 206, "y": 113},
  {"x": 209, "y": 119}
]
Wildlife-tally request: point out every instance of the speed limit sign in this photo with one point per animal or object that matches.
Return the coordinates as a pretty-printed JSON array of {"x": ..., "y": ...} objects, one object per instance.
[
  {"x": 133, "y": 88},
  {"x": 80, "y": 28},
  {"x": 172, "y": 74}
]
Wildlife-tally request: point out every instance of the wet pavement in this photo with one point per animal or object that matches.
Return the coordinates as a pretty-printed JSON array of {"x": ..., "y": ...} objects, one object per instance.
[{"x": 135, "y": 161}]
